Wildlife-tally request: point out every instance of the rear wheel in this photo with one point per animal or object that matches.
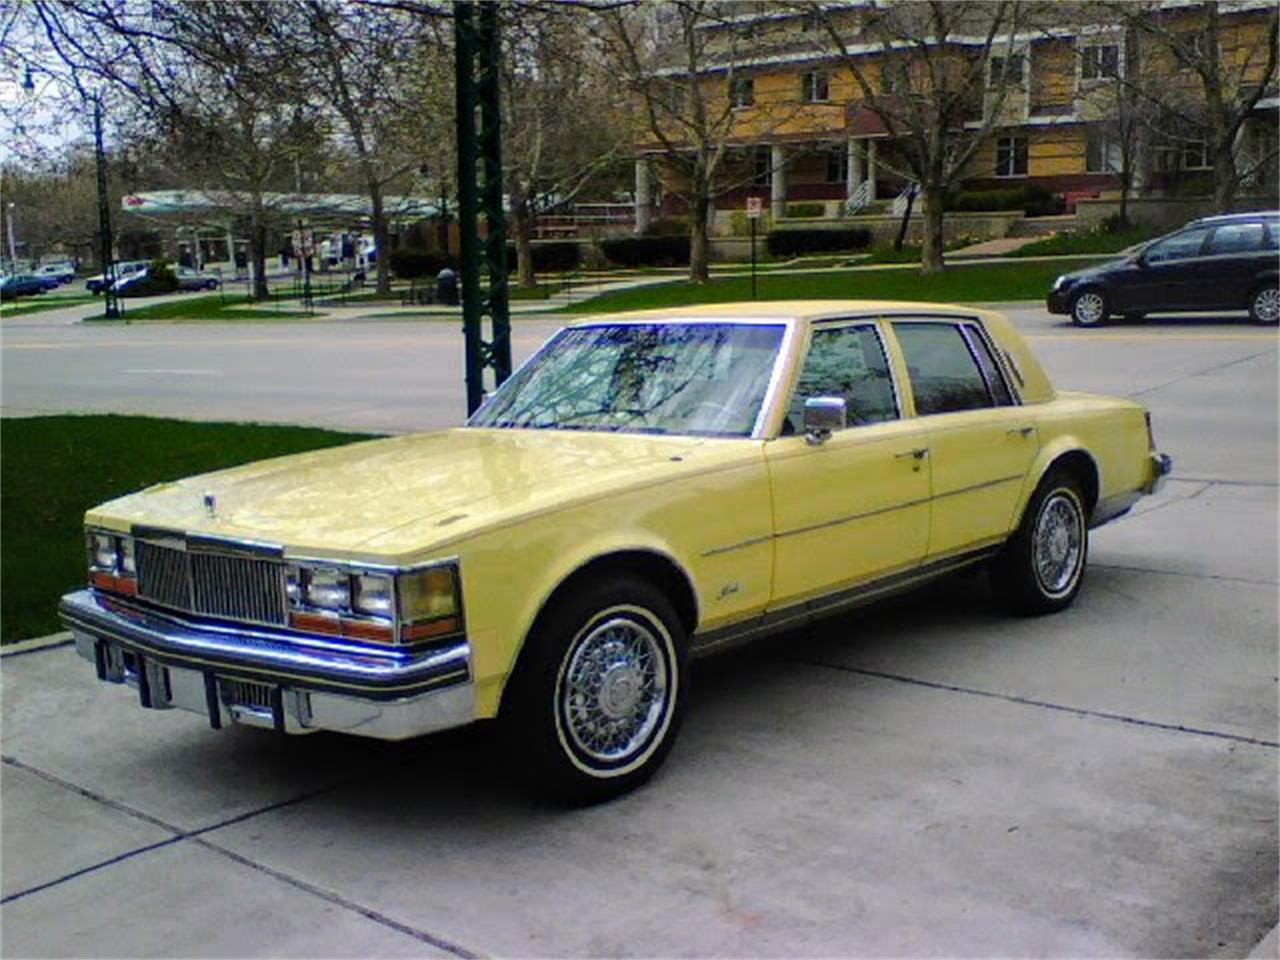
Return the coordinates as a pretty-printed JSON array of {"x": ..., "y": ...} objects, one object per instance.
[
  {"x": 597, "y": 696},
  {"x": 1264, "y": 304},
  {"x": 1089, "y": 308},
  {"x": 1041, "y": 568}
]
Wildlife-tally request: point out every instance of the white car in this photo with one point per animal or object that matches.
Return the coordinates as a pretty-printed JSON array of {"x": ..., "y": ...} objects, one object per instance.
[
  {"x": 63, "y": 271},
  {"x": 96, "y": 284}
]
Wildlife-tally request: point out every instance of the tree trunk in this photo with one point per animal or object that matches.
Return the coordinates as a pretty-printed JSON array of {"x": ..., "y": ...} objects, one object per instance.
[
  {"x": 931, "y": 248},
  {"x": 1225, "y": 177},
  {"x": 522, "y": 234},
  {"x": 698, "y": 272},
  {"x": 258, "y": 252},
  {"x": 906, "y": 219},
  {"x": 381, "y": 239}
]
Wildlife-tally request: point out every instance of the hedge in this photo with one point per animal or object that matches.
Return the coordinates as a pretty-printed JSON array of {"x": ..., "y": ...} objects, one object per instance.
[
  {"x": 784, "y": 243},
  {"x": 412, "y": 263},
  {"x": 549, "y": 257},
  {"x": 647, "y": 251},
  {"x": 1034, "y": 200},
  {"x": 806, "y": 209}
]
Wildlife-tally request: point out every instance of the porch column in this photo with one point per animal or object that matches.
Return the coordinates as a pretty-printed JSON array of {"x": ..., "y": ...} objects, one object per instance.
[
  {"x": 644, "y": 196},
  {"x": 853, "y": 168},
  {"x": 231, "y": 249},
  {"x": 777, "y": 180},
  {"x": 871, "y": 169}
]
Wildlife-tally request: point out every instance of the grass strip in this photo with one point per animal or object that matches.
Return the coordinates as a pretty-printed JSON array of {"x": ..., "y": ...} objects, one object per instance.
[
  {"x": 55, "y": 468},
  {"x": 19, "y": 308},
  {"x": 971, "y": 283},
  {"x": 213, "y": 307}
]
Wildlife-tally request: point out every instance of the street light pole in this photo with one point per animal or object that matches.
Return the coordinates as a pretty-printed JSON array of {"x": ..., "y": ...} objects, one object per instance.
[
  {"x": 13, "y": 243},
  {"x": 112, "y": 309}
]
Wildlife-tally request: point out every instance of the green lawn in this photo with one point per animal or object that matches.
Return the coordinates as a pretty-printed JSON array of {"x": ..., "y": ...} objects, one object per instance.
[
  {"x": 54, "y": 468},
  {"x": 43, "y": 302},
  {"x": 1070, "y": 242},
  {"x": 210, "y": 307},
  {"x": 970, "y": 283}
]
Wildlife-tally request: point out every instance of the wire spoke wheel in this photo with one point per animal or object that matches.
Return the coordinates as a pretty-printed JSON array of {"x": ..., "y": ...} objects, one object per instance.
[
  {"x": 1058, "y": 544},
  {"x": 614, "y": 690}
]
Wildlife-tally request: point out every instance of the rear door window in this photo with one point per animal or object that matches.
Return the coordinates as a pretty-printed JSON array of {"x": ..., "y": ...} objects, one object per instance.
[
  {"x": 1236, "y": 238},
  {"x": 945, "y": 375}
]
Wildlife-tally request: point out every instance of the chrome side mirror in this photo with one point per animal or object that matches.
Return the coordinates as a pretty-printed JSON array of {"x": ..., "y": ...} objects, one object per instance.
[{"x": 822, "y": 415}]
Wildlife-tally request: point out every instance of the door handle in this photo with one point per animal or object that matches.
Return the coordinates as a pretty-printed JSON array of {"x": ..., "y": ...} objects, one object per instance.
[
  {"x": 1021, "y": 431},
  {"x": 919, "y": 453}
]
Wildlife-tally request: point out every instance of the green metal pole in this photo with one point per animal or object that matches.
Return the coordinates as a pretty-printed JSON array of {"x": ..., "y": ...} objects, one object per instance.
[
  {"x": 491, "y": 199},
  {"x": 469, "y": 241}
]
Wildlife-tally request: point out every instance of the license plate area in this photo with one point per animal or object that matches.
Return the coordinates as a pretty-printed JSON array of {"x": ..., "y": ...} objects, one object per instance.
[{"x": 252, "y": 703}]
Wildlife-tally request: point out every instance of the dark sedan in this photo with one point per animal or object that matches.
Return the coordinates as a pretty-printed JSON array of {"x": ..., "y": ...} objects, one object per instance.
[
  {"x": 24, "y": 285},
  {"x": 1219, "y": 263}
]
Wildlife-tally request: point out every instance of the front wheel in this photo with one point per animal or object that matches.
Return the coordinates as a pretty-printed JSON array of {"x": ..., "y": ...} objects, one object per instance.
[
  {"x": 597, "y": 696},
  {"x": 1264, "y": 305},
  {"x": 1041, "y": 567},
  {"x": 1089, "y": 308}
]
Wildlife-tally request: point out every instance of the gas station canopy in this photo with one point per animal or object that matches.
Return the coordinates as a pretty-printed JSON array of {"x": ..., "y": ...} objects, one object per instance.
[{"x": 219, "y": 204}]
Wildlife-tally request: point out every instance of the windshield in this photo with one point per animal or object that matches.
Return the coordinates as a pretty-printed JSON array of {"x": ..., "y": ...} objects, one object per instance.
[{"x": 705, "y": 379}]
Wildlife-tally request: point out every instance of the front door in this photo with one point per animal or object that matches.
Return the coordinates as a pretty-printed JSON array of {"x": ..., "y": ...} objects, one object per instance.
[
  {"x": 856, "y": 506},
  {"x": 1166, "y": 277},
  {"x": 981, "y": 441}
]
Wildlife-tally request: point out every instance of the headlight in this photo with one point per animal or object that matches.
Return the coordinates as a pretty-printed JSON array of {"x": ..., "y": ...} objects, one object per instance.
[
  {"x": 128, "y": 563},
  {"x": 103, "y": 550},
  {"x": 1061, "y": 282},
  {"x": 373, "y": 594},
  {"x": 327, "y": 589}
]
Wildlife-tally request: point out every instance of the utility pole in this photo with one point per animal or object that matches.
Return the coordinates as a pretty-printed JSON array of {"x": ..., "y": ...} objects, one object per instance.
[
  {"x": 112, "y": 307},
  {"x": 477, "y": 73}
]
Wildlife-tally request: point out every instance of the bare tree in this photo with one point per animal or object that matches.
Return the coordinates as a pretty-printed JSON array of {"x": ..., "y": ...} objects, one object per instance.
[
  {"x": 562, "y": 116},
  {"x": 1213, "y": 75},
  {"x": 694, "y": 99},
  {"x": 387, "y": 81},
  {"x": 928, "y": 79}
]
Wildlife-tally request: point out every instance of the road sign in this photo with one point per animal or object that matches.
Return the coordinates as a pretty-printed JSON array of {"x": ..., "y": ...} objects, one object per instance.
[{"x": 755, "y": 207}]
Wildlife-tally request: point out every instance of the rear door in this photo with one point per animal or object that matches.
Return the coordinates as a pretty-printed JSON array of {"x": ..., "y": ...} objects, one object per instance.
[
  {"x": 1232, "y": 258},
  {"x": 981, "y": 440}
]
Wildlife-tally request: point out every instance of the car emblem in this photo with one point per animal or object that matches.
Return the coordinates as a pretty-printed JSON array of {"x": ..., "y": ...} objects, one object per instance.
[{"x": 211, "y": 504}]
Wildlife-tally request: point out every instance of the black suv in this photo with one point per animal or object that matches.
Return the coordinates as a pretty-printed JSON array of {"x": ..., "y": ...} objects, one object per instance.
[{"x": 1218, "y": 263}]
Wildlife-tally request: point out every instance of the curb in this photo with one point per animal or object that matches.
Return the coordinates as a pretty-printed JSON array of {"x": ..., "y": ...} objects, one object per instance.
[
  {"x": 1268, "y": 947},
  {"x": 38, "y": 643}
]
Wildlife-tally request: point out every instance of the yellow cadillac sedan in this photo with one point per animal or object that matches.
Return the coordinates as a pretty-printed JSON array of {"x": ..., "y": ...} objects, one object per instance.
[{"x": 647, "y": 488}]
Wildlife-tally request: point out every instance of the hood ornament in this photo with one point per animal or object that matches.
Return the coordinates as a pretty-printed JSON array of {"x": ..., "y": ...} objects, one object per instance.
[{"x": 211, "y": 504}]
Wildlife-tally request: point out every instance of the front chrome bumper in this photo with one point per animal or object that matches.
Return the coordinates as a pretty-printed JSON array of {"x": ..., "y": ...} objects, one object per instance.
[
  {"x": 263, "y": 678},
  {"x": 1161, "y": 467}
]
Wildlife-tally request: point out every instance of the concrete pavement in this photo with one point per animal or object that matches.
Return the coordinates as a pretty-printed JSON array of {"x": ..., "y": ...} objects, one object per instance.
[{"x": 925, "y": 778}]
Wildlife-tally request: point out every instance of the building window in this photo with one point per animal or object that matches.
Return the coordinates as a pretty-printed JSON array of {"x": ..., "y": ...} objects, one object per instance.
[
  {"x": 895, "y": 77},
  {"x": 1099, "y": 61},
  {"x": 760, "y": 168},
  {"x": 835, "y": 157},
  {"x": 1011, "y": 157},
  {"x": 1010, "y": 70},
  {"x": 1102, "y": 153},
  {"x": 675, "y": 98},
  {"x": 811, "y": 22},
  {"x": 815, "y": 86},
  {"x": 742, "y": 91},
  {"x": 1196, "y": 156}
]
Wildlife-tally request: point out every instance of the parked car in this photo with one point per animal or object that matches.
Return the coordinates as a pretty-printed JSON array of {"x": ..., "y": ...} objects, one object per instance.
[
  {"x": 124, "y": 268},
  {"x": 24, "y": 285},
  {"x": 1217, "y": 263},
  {"x": 137, "y": 284},
  {"x": 646, "y": 488},
  {"x": 62, "y": 272},
  {"x": 191, "y": 279}
]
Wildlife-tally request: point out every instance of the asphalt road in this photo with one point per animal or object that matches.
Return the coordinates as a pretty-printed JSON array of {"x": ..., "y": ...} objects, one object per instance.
[{"x": 925, "y": 778}]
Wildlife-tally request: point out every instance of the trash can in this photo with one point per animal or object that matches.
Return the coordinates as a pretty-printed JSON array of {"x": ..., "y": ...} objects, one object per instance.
[{"x": 447, "y": 287}]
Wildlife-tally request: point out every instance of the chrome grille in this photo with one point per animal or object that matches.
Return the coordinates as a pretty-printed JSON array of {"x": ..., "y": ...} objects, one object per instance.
[
  {"x": 236, "y": 588},
  {"x": 245, "y": 693},
  {"x": 164, "y": 575}
]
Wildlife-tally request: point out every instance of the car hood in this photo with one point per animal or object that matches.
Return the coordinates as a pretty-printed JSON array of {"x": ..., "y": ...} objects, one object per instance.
[
  {"x": 1099, "y": 270},
  {"x": 388, "y": 499}
]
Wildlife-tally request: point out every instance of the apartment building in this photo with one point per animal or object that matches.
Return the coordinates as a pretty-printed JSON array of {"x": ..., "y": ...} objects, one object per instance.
[{"x": 1073, "y": 97}]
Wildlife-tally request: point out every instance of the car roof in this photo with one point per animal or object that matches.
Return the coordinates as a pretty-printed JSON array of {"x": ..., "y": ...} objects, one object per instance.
[
  {"x": 765, "y": 310},
  {"x": 1233, "y": 217}
]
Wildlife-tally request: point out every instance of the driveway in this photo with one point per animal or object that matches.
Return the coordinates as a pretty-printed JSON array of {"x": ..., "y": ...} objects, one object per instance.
[{"x": 925, "y": 778}]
